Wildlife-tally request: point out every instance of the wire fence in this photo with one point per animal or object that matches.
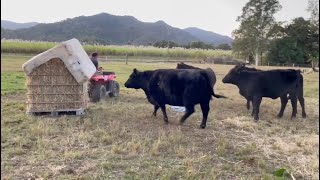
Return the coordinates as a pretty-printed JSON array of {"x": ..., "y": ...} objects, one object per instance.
[
  {"x": 215, "y": 60},
  {"x": 151, "y": 59}
]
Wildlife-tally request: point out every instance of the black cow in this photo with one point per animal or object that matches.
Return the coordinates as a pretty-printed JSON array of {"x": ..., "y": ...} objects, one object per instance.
[
  {"x": 254, "y": 85},
  {"x": 300, "y": 89},
  {"x": 175, "y": 87},
  {"x": 182, "y": 65},
  {"x": 210, "y": 72}
]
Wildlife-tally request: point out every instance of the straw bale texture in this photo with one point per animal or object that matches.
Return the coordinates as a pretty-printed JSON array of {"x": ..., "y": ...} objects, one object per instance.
[{"x": 51, "y": 87}]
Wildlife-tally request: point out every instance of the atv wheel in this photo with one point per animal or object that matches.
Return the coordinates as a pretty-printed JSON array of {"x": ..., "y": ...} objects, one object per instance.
[
  {"x": 98, "y": 93},
  {"x": 115, "y": 88}
]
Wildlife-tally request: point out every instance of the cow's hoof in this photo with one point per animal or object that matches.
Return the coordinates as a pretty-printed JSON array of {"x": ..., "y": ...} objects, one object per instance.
[
  {"x": 304, "y": 115},
  {"x": 293, "y": 117},
  {"x": 202, "y": 126},
  {"x": 279, "y": 116},
  {"x": 256, "y": 119}
]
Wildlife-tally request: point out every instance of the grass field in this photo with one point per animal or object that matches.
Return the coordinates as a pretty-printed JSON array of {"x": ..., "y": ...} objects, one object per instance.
[{"x": 119, "y": 139}]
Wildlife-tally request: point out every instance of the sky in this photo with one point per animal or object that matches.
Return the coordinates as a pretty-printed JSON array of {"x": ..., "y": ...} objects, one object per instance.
[{"x": 212, "y": 15}]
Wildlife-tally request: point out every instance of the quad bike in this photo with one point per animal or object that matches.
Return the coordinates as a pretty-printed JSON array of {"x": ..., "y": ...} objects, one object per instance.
[{"x": 103, "y": 84}]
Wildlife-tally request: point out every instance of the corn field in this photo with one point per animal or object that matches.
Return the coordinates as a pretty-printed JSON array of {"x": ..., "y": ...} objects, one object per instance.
[{"x": 34, "y": 47}]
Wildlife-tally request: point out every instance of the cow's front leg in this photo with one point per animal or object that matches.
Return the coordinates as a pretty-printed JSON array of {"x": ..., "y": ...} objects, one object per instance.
[
  {"x": 189, "y": 111},
  {"x": 256, "y": 105},
  {"x": 248, "y": 104},
  {"x": 284, "y": 101},
  {"x": 165, "y": 117},
  {"x": 156, "y": 107}
]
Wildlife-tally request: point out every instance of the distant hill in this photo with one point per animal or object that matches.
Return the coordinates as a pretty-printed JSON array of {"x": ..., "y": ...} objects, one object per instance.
[
  {"x": 105, "y": 29},
  {"x": 13, "y": 25},
  {"x": 209, "y": 37}
]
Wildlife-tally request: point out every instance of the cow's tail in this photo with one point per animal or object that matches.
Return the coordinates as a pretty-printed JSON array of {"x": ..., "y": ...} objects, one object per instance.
[
  {"x": 211, "y": 88},
  {"x": 299, "y": 85},
  {"x": 217, "y": 95}
]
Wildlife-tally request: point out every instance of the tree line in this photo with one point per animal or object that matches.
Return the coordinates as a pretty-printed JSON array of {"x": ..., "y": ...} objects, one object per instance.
[
  {"x": 260, "y": 35},
  {"x": 192, "y": 45}
]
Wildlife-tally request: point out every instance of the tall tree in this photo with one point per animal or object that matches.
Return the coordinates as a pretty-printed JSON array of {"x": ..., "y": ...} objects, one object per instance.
[
  {"x": 257, "y": 25},
  {"x": 313, "y": 8}
]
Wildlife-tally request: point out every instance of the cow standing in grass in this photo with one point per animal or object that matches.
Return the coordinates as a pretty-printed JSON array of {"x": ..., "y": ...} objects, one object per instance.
[
  {"x": 254, "y": 85},
  {"x": 211, "y": 74},
  {"x": 175, "y": 87},
  {"x": 299, "y": 91}
]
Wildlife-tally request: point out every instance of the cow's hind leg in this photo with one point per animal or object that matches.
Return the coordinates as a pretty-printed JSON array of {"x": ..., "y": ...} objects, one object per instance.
[
  {"x": 165, "y": 117},
  {"x": 301, "y": 101},
  {"x": 248, "y": 104},
  {"x": 205, "y": 107},
  {"x": 293, "y": 99},
  {"x": 156, "y": 107},
  {"x": 189, "y": 111},
  {"x": 284, "y": 101}
]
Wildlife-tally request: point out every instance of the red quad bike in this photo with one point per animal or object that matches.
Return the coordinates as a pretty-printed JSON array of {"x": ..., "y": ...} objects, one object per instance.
[{"x": 103, "y": 84}]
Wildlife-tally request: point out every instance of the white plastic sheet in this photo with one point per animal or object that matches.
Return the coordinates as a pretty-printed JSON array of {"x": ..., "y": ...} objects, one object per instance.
[{"x": 178, "y": 108}]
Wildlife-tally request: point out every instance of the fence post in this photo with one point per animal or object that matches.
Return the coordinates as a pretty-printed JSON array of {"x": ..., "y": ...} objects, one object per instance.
[{"x": 126, "y": 58}]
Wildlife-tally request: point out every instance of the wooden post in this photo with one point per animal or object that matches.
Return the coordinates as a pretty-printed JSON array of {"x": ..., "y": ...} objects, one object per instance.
[{"x": 126, "y": 58}]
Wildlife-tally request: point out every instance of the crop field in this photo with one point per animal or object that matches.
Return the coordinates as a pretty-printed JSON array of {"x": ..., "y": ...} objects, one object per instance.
[
  {"x": 120, "y": 139},
  {"x": 27, "y": 47}
]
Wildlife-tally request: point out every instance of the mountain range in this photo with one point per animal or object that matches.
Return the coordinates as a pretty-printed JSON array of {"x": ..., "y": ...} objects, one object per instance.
[
  {"x": 105, "y": 28},
  {"x": 13, "y": 25}
]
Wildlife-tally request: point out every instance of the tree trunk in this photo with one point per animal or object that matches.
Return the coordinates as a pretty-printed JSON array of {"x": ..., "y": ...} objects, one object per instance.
[
  {"x": 314, "y": 67},
  {"x": 257, "y": 58}
]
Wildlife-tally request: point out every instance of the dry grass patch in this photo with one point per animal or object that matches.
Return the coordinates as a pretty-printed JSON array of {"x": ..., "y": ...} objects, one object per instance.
[{"x": 119, "y": 138}]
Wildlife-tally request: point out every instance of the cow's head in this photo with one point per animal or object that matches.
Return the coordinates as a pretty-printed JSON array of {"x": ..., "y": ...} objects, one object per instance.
[
  {"x": 135, "y": 80},
  {"x": 180, "y": 65},
  {"x": 233, "y": 75}
]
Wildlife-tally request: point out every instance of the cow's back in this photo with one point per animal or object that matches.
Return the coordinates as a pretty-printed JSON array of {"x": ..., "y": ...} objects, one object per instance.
[
  {"x": 177, "y": 87},
  {"x": 273, "y": 83}
]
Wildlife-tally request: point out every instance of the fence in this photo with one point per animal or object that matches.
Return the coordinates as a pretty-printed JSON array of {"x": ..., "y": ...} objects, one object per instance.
[
  {"x": 211, "y": 60},
  {"x": 289, "y": 65},
  {"x": 215, "y": 60}
]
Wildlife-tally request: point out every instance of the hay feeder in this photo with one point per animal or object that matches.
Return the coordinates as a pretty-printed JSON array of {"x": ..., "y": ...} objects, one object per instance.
[{"x": 57, "y": 80}]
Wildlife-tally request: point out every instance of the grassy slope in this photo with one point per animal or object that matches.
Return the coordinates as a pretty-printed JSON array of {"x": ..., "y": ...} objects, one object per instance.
[{"x": 119, "y": 138}]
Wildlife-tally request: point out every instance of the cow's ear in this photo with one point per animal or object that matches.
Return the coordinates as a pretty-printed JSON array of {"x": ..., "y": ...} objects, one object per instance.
[
  {"x": 135, "y": 71},
  {"x": 238, "y": 71}
]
